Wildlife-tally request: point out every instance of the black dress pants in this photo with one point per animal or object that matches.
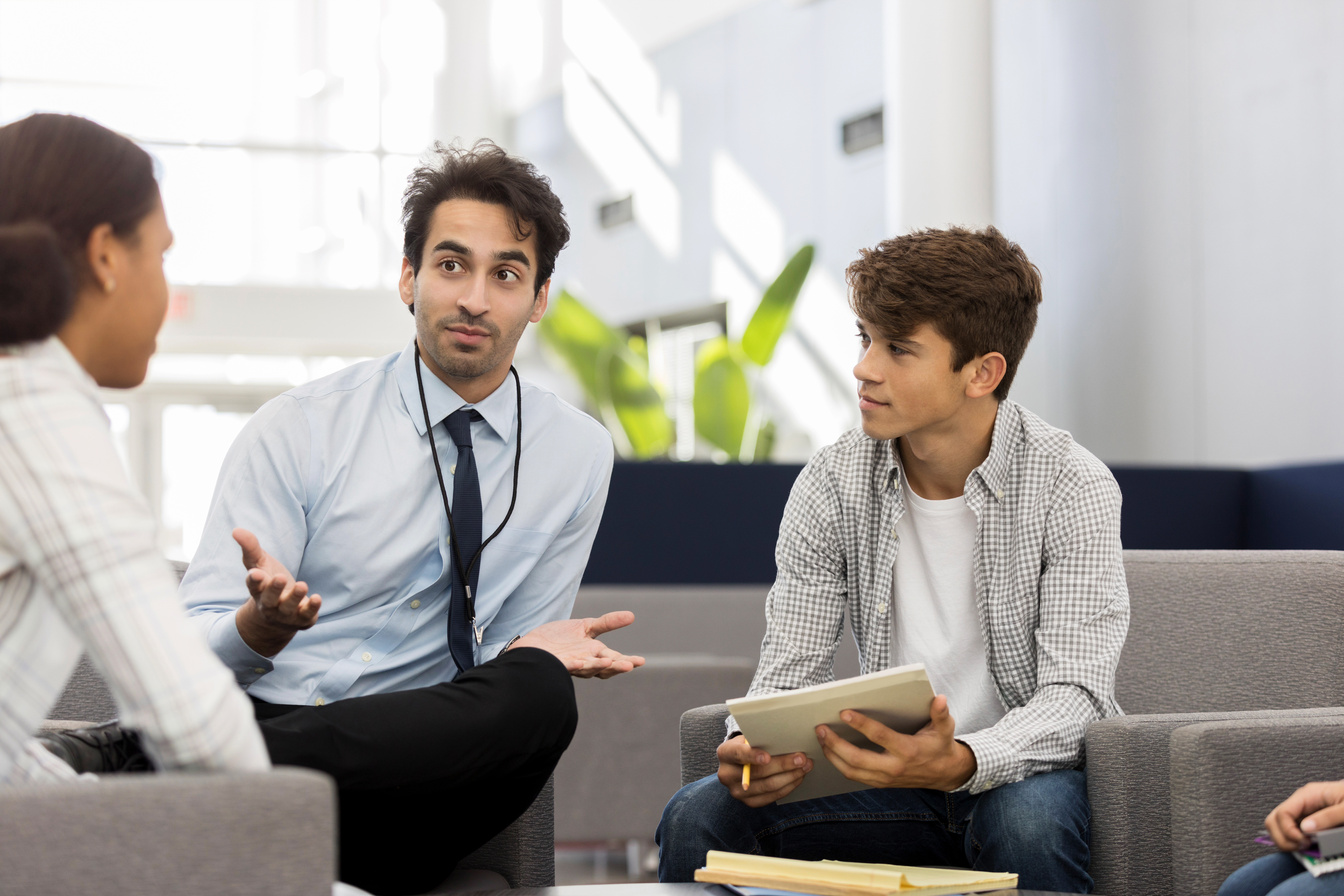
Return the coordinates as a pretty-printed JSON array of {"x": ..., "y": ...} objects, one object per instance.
[{"x": 426, "y": 776}]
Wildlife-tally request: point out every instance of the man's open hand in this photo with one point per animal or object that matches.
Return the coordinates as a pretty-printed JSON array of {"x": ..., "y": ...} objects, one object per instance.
[
  {"x": 574, "y": 642},
  {"x": 772, "y": 777},
  {"x": 1312, "y": 807},
  {"x": 931, "y": 757},
  {"x": 280, "y": 606}
]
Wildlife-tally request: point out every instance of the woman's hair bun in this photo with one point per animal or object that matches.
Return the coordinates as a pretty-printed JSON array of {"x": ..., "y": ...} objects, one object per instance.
[{"x": 37, "y": 287}]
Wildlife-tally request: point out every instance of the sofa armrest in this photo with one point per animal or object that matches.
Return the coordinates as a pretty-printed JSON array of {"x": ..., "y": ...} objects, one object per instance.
[
  {"x": 1129, "y": 786},
  {"x": 1225, "y": 778},
  {"x": 524, "y": 852},
  {"x": 626, "y": 747},
  {"x": 701, "y": 733},
  {"x": 207, "y": 834}
]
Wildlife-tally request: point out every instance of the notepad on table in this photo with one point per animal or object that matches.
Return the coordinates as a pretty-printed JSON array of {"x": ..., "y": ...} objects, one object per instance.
[{"x": 829, "y": 878}]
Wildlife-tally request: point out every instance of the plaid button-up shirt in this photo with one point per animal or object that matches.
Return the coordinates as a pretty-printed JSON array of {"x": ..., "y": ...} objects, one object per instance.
[
  {"x": 1049, "y": 581},
  {"x": 79, "y": 571}
]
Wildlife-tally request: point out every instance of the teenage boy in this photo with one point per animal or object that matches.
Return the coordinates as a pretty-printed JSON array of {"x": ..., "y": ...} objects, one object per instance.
[{"x": 959, "y": 530}]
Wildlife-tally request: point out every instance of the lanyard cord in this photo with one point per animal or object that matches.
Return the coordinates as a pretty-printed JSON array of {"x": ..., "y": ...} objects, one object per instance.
[{"x": 462, "y": 572}]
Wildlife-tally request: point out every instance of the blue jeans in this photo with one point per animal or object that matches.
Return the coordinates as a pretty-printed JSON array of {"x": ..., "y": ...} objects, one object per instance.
[
  {"x": 1282, "y": 875},
  {"x": 1037, "y": 828}
]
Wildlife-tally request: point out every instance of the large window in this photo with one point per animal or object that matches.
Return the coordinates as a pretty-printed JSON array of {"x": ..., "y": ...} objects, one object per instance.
[
  {"x": 284, "y": 131},
  {"x": 285, "y": 128}
]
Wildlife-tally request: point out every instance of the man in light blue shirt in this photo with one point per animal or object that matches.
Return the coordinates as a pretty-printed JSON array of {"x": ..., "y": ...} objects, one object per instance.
[{"x": 348, "y": 659}]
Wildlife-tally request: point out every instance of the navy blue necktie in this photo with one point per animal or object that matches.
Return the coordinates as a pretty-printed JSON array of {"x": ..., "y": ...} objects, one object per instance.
[{"x": 467, "y": 524}]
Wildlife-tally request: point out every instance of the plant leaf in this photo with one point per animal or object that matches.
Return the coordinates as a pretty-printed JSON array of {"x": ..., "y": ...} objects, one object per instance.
[
  {"x": 640, "y": 347},
  {"x": 772, "y": 315},
  {"x": 765, "y": 442},
  {"x": 722, "y": 396},
  {"x": 638, "y": 406},
  {"x": 580, "y": 337},
  {"x": 615, "y": 378}
]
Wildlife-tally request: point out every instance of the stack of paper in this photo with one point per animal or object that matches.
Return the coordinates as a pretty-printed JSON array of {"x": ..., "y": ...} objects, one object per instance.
[{"x": 829, "y": 878}]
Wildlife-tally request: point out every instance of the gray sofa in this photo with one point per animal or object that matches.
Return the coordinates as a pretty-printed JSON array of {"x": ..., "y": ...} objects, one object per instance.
[
  {"x": 212, "y": 823},
  {"x": 1233, "y": 673}
]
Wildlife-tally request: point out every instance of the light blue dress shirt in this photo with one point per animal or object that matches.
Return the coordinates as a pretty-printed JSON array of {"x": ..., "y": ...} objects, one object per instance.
[{"x": 336, "y": 480}]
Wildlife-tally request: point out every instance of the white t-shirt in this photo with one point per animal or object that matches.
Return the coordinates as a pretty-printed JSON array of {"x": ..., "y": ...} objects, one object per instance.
[{"x": 935, "y": 620}]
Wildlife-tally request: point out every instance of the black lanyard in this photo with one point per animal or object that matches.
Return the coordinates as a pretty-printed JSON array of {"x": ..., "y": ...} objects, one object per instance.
[{"x": 463, "y": 571}]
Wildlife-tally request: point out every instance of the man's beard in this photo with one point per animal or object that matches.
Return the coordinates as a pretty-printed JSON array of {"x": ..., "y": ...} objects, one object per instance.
[{"x": 462, "y": 363}]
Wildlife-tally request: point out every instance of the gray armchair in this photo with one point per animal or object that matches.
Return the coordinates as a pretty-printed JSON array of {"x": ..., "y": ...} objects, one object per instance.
[
  {"x": 1226, "y": 775},
  {"x": 189, "y": 834},
  {"x": 1222, "y": 645}
]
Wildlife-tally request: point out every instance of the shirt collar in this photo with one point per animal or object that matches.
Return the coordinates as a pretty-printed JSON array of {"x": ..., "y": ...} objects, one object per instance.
[
  {"x": 52, "y": 352},
  {"x": 993, "y": 470},
  {"x": 499, "y": 408},
  {"x": 893, "y": 473}
]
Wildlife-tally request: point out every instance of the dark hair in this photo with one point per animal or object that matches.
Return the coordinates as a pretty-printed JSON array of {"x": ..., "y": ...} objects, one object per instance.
[
  {"x": 37, "y": 290},
  {"x": 67, "y": 175},
  {"x": 978, "y": 290},
  {"x": 485, "y": 173}
]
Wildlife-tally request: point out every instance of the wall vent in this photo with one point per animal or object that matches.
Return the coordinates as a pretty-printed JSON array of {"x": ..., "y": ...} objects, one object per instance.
[
  {"x": 617, "y": 212},
  {"x": 862, "y": 132}
]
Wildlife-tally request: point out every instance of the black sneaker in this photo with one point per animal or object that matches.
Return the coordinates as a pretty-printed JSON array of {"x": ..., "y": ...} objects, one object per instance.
[{"x": 102, "y": 749}]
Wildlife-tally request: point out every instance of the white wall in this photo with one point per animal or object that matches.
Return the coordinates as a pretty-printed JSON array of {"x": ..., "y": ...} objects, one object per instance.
[{"x": 1174, "y": 167}]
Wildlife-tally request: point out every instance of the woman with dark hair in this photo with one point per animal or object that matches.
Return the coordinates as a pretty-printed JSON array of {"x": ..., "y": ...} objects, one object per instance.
[{"x": 82, "y": 297}]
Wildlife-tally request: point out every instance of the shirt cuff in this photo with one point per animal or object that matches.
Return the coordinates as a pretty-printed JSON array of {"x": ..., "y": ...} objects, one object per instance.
[
  {"x": 246, "y": 664},
  {"x": 733, "y": 730},
  {"x": 996, "y": 763}
]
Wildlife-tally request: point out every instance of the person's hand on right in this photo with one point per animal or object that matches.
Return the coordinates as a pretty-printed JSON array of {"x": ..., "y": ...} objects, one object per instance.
[
  {"x": 279, "y": 606},
  {"x": 1312, "y": 807},
  {"x": 772, "y": 777},
  {"x": 574, "y": 642}
]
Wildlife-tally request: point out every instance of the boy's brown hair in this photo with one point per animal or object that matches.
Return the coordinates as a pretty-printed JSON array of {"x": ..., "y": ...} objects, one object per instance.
[{"x": 975, "y": 287}]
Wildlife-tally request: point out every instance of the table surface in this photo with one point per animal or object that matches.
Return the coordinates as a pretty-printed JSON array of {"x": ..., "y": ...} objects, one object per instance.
[{"x": 651, "y": 889}]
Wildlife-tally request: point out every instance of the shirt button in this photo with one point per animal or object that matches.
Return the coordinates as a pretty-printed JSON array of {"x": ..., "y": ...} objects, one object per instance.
[
  {"x": 882, "y": 609},
  {"x": 999, "y": 494},
  {"x": 320, "y": 701},
  {"x": 367, "y": 656},
  {"x": 894, "y": 535},
  {"x": 452, "y": 471},
  {"x": 415, "y": 605},
  {"x": 260, "y": 670}
]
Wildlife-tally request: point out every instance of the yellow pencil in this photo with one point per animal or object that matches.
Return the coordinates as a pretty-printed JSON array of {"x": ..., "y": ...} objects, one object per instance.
[{"x": 746, "y": 769}]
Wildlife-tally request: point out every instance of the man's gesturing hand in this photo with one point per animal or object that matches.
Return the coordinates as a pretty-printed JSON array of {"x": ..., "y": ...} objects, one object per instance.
[
  {"x": 929, "y": 758},
  {"x": 279, "y": 607},
  {"x": 1313, "y": 807},
  {"x": 574, "y": 642},
  {"x": 772, "y": 777}
]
